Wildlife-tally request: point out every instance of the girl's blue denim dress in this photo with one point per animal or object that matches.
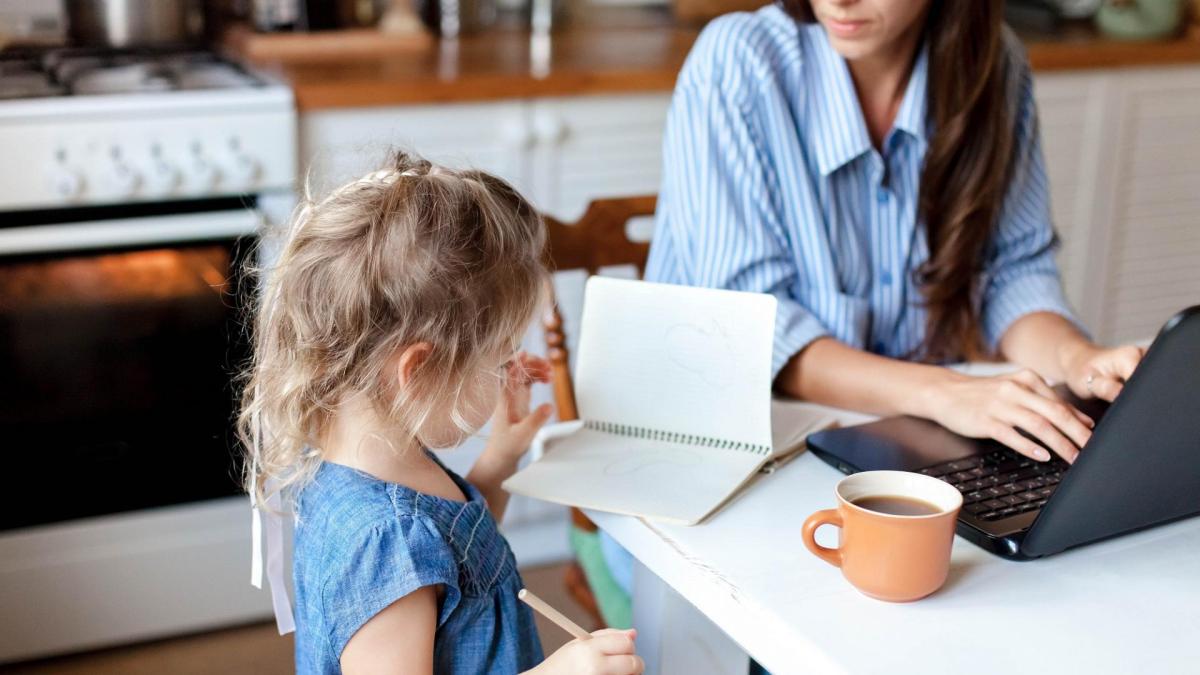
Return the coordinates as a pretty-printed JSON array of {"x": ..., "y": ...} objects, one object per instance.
[{"x": 362, "y": 543}]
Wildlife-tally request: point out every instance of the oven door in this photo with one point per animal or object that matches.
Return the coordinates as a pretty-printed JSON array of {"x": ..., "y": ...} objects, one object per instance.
[{"x": 119, "y": 342}]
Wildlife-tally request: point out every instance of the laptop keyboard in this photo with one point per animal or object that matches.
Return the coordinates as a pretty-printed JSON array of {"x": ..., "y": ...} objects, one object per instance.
[{"x": 1000, "y": 484}]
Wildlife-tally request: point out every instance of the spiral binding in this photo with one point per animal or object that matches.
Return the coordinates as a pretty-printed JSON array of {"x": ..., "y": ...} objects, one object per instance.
[{"x": 675, "y": 437}]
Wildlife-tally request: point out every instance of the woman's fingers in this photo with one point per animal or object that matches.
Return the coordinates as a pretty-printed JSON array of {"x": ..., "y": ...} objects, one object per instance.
[
  {"x": 1012, "y": 438},
  {"x": 1062, "y": 415},
  {"x": 1124, "y": 361},
  {"x": 1057, "y": 408},
  {"x": 1105, "y": 386},
  {"x": 1111, "y": 369},
  {"x": 1043, "y": 430}
]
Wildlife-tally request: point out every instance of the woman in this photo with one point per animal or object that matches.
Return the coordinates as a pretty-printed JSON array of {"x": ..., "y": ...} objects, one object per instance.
[{"x": 876, "y": 165}]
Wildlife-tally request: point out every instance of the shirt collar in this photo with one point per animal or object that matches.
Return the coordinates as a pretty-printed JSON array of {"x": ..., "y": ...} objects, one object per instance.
[
  {"x": 911, "y": 116},
  {"x": 839, "y": 133}
]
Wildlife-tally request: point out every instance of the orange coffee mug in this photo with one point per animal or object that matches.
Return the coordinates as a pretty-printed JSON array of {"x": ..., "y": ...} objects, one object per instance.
[{"x": 895, "y": 533}]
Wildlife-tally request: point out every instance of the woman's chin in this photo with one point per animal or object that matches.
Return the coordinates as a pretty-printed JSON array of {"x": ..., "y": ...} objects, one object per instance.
[{"x": 852, "y": 48}]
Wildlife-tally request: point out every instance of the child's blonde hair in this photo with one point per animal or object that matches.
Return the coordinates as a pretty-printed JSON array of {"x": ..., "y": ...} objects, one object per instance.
[{"x": 412, "y": 253}]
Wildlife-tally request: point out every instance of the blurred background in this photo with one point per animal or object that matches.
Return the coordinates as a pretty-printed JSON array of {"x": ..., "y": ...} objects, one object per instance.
[{"x": 148, "y": 144}]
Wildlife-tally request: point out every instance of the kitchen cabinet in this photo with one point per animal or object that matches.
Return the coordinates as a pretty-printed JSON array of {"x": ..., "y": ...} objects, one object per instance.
[
  {"x": 1121, "y": 151},
  {"x": 592, "y": 147},
  {"x": 560, "y": 152},
  {"x": 337, "y": 146}
]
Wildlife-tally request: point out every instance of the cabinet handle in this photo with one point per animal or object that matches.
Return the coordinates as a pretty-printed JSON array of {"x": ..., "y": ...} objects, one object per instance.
[
  {"x": 549, "y": 129},
  {"x": 517, "y": 135}
]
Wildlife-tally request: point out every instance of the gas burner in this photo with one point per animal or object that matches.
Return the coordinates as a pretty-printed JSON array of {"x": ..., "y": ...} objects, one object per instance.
[
  {"x": 73, "y": 72},
  {"x": 24, "y": 79}
]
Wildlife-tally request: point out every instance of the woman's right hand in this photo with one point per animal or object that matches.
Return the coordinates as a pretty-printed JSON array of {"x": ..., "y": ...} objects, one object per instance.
[
  {"x": 608, "y": 652},
  {"x": 995, "y": 407}
]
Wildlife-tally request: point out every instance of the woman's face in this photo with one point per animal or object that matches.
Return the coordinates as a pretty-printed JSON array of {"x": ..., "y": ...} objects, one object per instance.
[{"x": 865, "y": 28}]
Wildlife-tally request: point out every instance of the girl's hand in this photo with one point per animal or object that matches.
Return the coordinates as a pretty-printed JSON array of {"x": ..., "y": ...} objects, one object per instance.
[
  {"x": 995, "y": 407},
  {"x": 513, "y": 425},
  {"x": 1095, "y": 372},
  {"x": 608, "y": 652}
]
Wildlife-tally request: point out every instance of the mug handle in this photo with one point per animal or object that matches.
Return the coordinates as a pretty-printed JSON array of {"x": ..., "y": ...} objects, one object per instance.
[{"x": 832, "y": 556}]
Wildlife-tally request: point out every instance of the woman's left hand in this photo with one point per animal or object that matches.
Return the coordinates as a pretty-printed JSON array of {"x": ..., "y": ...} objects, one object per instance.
[{"x": 1097, "y": 372}]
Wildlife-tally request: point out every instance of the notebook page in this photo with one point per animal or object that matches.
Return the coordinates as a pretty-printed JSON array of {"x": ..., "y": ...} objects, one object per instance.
[
  {"x": 677, "y": 359},
  {"x": 653, "y": 479},
  {"x": 792, "y": 421}
]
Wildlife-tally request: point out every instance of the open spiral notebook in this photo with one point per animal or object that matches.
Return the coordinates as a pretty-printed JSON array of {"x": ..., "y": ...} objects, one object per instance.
[{"x": 673, "y": 386}]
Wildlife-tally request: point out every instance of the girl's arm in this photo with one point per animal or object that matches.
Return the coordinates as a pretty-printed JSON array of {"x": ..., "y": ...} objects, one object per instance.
[{"x": 398, "y": 640}]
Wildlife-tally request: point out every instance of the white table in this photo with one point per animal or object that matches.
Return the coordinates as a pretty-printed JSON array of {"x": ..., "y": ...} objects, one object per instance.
[{"x": 1127, "y": 605}]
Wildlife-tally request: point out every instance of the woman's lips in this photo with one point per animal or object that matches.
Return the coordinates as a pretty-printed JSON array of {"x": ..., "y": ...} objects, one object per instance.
[{"x": 845, "y": 28}]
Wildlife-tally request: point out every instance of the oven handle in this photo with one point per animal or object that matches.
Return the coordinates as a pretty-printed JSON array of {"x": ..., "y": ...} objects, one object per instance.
[{"x": 116, "y": 233}]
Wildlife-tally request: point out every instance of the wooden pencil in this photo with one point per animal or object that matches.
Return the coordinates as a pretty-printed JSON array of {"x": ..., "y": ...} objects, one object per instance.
[{"x": 554, "y": 615}]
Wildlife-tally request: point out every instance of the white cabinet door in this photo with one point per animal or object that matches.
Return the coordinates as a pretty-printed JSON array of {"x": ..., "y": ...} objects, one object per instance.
[
  {"x": 339, "y": 145},
  {"x": 1071, "y": 121},
  {"x": 596, "y": 146},
  {"x": 1153, "y": 266}
]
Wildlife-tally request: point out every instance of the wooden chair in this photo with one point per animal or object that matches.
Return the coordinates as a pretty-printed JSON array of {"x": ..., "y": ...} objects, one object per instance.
[{"x": 596, "y": 240}]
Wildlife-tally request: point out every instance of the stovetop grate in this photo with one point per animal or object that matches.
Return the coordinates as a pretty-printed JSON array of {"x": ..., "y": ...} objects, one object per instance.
[{"x": 57, "y": 72}]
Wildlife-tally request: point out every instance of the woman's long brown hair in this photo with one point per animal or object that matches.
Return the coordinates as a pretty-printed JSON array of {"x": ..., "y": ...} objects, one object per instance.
[{"x": 968, "y": 163}]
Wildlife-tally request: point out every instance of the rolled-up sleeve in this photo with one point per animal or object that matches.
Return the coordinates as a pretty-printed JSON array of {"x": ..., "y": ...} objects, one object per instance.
[
  {"x": 718, "y": 225},
  {"x": 1021, "y": 275}
]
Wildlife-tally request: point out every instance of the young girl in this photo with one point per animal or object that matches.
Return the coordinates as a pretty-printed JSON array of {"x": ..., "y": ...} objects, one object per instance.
[{"x": 389, "y": 327}]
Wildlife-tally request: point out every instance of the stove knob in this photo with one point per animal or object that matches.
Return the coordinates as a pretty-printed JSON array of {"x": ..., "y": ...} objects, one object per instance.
[
  {"x": 123, "y": 180},
  {"x": 66, "y": 182},
  {"x": 162, "y": 178},
  {"x": 203, "y": 175},
  {"x": 244, "y": 171}
]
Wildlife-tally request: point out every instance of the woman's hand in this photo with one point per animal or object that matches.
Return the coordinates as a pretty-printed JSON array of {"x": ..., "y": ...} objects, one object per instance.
[
  {"x": 995, "y": 407},
  {"x": 1093, "y": 371},
  {"x": 513, "y": 425},
  {"x": 608, "y": 652}
]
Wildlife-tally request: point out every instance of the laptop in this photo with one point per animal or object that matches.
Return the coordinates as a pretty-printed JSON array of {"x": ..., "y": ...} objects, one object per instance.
[{"x": 1140, "y": 468}]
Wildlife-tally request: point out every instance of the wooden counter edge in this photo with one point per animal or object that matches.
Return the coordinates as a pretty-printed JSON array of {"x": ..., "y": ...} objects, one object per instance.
[{"x": 332, "y": 93}]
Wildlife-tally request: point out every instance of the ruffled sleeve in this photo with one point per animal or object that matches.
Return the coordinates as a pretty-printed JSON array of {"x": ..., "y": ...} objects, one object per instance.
[{"x": 380, "y": 564}]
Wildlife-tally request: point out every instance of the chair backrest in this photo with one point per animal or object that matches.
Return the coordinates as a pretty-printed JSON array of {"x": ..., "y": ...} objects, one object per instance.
[{"x": 598, "y": 239}]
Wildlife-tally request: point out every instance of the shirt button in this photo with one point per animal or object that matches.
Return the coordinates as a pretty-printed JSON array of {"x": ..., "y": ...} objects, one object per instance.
[
  {"x": 886, "y": 278},
  {"x": 881, "y": 195}
]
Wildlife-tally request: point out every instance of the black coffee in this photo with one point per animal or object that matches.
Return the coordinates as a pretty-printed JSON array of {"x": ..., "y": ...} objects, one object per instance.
[{"x": 894, "y": 505}]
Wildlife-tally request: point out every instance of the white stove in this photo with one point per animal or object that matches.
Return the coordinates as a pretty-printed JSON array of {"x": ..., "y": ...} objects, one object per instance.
[
  {"x": 131, "y": 187},
  {"x": 112, "y": 127}
]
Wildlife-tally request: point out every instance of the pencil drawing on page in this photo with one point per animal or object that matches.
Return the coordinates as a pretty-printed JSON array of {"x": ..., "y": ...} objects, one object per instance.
[{"x": 704, "y": 351}]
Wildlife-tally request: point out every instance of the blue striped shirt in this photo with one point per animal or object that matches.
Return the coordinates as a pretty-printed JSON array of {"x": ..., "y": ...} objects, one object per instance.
[{"x": 771, "y": 184}]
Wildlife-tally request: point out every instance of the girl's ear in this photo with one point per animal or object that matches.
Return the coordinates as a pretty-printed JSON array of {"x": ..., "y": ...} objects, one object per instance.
[{"x": 407, "y": 361}]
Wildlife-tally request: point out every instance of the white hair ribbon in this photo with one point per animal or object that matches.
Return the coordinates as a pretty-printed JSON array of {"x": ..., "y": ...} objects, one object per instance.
[{"x": 284, "y": 620}]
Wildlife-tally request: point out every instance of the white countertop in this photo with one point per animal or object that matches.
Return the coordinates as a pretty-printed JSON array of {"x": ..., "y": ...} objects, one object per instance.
[{"x": 1127, "y": 605}]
